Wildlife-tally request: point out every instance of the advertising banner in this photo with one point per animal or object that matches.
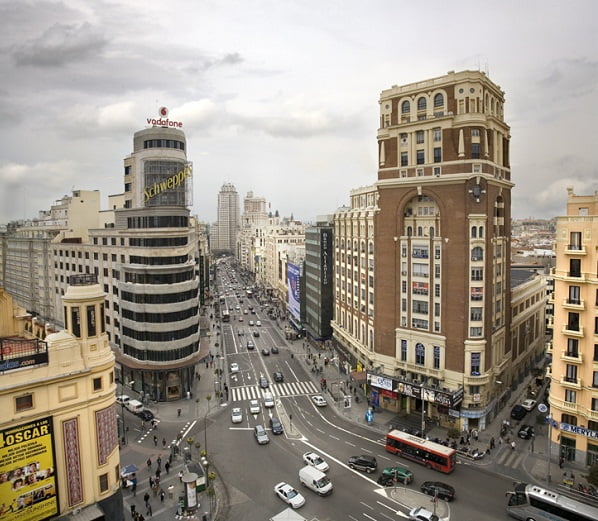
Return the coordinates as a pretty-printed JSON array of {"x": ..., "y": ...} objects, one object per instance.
[
  {"x": 27, "y": 479},
  {"x": 293, "y": 290}
]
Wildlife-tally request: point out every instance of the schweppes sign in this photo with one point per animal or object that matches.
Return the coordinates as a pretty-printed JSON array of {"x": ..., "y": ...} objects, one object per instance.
[{"x": 168, "y": 184}]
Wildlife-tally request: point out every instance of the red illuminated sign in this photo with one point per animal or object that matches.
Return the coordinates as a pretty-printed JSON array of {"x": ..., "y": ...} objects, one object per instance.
[{"x": 163, "y": 120}]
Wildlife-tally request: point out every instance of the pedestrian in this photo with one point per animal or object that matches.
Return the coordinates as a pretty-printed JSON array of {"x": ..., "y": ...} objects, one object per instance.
[
  {"x": 155, "y": 441},
  {"x": 513, "y": 444},
  {"x": 149, "y": 463},
  {"x": 133, "y": 510},
  {"x": 159, "y": 461},
  {"x": 158, "y": 472},
  {"x": 146, "y": 498},
  {"x": 561, "y": 462},
  {"x": 163, "y": 443},
  {"x": 492, "y": 445},
  {"x": 178, "y": 412},
  {"x": 180, "y": 474},
  {"x": 167, "y": 467},
  {"x": 134, "y": 489},
  {"x": 148, "y": 509},
  {"x": 162, "y": 494},
  {"x": 151, "y": 481}
]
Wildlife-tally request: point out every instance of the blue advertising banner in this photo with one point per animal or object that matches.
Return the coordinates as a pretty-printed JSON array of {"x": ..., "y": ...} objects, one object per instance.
[{"x": 293, "y": 290}]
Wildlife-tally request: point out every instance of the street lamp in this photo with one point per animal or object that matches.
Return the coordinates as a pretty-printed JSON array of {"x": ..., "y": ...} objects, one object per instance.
[
  {"x": 549, "y": 451},
  {"x": 122, "y": 409}
]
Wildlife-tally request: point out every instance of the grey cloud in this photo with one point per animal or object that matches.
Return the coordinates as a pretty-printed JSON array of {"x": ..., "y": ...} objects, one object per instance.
[{"x": 60, "y": 45}]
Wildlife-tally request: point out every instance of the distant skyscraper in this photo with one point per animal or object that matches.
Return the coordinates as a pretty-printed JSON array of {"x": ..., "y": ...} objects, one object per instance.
[{"x": 228, "y": 219}]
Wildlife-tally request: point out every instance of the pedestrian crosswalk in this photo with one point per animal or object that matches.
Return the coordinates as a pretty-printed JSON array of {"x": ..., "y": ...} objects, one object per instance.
[
  {"x": 510, "y": 458},
  {"x": 278, "y": 390}
]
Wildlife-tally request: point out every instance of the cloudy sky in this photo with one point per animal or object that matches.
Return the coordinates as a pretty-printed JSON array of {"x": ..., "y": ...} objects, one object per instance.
[{"x": 280, "y": 97}]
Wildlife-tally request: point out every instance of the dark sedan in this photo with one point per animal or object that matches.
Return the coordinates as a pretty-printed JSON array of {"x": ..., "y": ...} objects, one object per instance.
[
  {"x": 526, "y": 432},
  {"x": 438, "y": 489},
  {"x": 518, "y": 412}
]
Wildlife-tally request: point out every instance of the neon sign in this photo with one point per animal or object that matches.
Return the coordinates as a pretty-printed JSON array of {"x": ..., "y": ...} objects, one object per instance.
[
  {"x": 163, "y": 120},
  {"x": 170, "y": 182}
]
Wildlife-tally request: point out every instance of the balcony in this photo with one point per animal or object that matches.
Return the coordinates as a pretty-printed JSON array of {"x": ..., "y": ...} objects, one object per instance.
[
  {"x": 578, "y": 333},
  {"x": 550, "y": 322},
  {"x": 549, "y": 347},
  {"x": 575, "y": 249},
  {"x": 564, "y": 406},
  {"x": 570, "y": 357},
  {"x": 571, "y": 383},
  {"x": 481, "y": 379},
  {"x": 574, "y": 304}
]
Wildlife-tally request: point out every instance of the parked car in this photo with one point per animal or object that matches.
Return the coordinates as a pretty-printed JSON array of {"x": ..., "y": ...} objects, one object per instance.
[
  {"x": 438, "y": 489},
  {"x": 278, "y": 376},
  {"x": 518, "y": 412},
  {"x": 261, "y": 435},
  {"x": 275, "y": 425},
  {"x": 236, "y": 415},
  {"x": 289, "y": 495},
  {"x": 314, "y": 460},
  {"x": 421, "y": 514},
  {"x": 526, "y": 432},
  {"x": 389, "y": 474},
  {"x": 363, "y": 462},
  {"x": 528, "y": 404},
  {"x": 319, "y": 400},
  {"x": 123, "y": 399},
  {"x": 254, "y": 407}
]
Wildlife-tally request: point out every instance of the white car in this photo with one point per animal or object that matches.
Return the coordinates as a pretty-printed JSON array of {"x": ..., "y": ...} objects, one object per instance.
[
  {"x": 268, "y": 400},
  {"x": 234, "y": 367},
  {"x": 528, "y": 404},
  {"x": 258, "y": 323},
  {"x": 236, "y": 415},
  {"x": 314, "y": 460},
  {"x": 123, "y": 399},
  {"x": 251, "y": 322},
  {"x": 319, "y": 400},
  {"x": 289, "y": 494},
  {"x": 254, "y": 407},
  {"x": 421, "y": 514}
]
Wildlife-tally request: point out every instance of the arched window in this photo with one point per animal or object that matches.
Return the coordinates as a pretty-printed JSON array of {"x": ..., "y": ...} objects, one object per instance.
[
  {"x": 421, "y": 103},
  {"x": 439, "y": 100},
  {"x": 481, "y": 231},
  {"x": 420, "y": 231},
  {"x": 371, "y": 248},
  {"x": 474, "y": 232},
  {"x": 405, "y": 107},
  {"x": 431, "y": 232},
  {"x": 477, "y": 254},
  {"x": 409, "y": 231},
  {"x": 362, "y": 246},
  {"x": 354, "y": 245},
  {"x": 342, "y": 243}
]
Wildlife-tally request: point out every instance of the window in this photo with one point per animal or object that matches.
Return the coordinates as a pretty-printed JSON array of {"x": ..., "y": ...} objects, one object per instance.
[
  {"x": 575, "y": 267},
  {"x": 571, "y": 373},
  {"x": 474, "y": 389},
  {"x": 404, "y": 158},
  {"x": 97, "y": 384},
  {"x": 419, "y": 137},
  {"x": 475, "y": 151},
  {"x": 477, "y": 273},
  {"x": 437, "y": 134},
  {"x": 574, "y": 295},
  {"x": 103, "y": 482},
  {"x": 475, "y": 332},
  {"x": 569, "y": 418},
  {"x": 595, "y": 379},
  {"x": 420, "y": 157},
  {"x": 420, "y": 354},
  {"x": 476, "y": 314},
  {"x": 477, "y": 254},
  {"x": 403, "y": 350},
  {"x": 475, "y": 132},
  {"x": 475, "y": 364},
  {"x": 570, "y": 396},
  {"x": 573, "y": 322},
  {"x": 22, "y": 403},
  {"x": 437, "y": 154},
  {"x": 575, "y": 241},
  {"x": 421, "y": 103},
  {"x": 573, "y": 347},
  {"x": 595, "y": 352},
  {"x": 405, "y": 107},
  {"x": 436, "y": 357},
  {"x": 438, "y": 100}
]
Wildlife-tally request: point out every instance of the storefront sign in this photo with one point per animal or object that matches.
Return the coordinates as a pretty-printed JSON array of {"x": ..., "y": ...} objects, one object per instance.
[
  {"x": 163, "y": 120},
  {"x": 379, "y": 381},
  {"x": 582, "y": 431}
]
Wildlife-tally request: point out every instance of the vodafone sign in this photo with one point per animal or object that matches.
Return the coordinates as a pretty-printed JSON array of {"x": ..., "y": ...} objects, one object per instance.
[{"x": 163, "y": 120}]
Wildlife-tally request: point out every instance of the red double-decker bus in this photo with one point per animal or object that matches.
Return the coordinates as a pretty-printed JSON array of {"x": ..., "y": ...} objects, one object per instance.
[{"x": 425, "y": 452}]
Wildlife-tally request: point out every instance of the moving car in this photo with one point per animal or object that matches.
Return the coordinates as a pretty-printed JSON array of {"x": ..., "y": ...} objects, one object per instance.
[
  {"x": 254, "y": 407},
  {"x": 251, "y": 322},
  {"x": 264, "y": 384},
  {"x": 261, "y": 435},
  {"x": 389, "y": 474},
  {"x": 274, "y": 350},
  {"x": 363, "y": 462},
  {"x": 234, "y": 367},
  {"x": 265, "y": 351},
  {"x": 421, "y": 514},
  {"x": 123, "y": 399},
  {"x": 314, "y": 460},
  {"x": 258, "y": 323},
  {"x": 236, "y": 415},
  {"x": 278, "y": 376},
  {"x": 275, "y": 426},
  {"x": 438, "y": 489},
  {"x": 526, "y": 432},
  {"x": 316, "y": 480},
  {"x": 145, "y": 415},
  {"x": 289, "y": 495},
  {"x": 256, "y": 333},
  {"x": 528, "y": 404},
  {"x": 268, "y": 400},
  {"x": 518, "y": 412},
  {"x": 319, "y": 400},
  {"x": 250, "y": 345}
]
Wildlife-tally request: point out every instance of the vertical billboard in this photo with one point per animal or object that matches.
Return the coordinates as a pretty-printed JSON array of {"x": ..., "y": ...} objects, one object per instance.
[
  {"x": 27, "y": 472},
  {"x": 294, "y": 298}
]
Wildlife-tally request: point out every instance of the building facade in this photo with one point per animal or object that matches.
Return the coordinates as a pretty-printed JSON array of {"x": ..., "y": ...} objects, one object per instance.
[
  {"x": 228, "y": 223},
  {"x": 574, "y": 372},
  {"x": 59, "y": 447},
  {"x": 423, "y": 284}
]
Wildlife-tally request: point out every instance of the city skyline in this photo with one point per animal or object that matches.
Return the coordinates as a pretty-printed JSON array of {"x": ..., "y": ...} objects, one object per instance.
[{"x": 276, "y": 100}]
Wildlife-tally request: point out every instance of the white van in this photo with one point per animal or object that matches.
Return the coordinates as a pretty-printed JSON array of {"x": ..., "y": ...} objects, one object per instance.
[
  {"x": 311, "y": 477},
  {"x": 135, "y": 406}
]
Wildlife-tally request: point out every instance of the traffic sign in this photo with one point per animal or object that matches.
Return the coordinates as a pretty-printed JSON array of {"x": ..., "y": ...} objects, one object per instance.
[{"x": 542, "y": 407}]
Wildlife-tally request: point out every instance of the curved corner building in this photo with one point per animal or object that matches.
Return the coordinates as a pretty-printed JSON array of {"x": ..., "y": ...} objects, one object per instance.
[{"x": 157, "y": 290}]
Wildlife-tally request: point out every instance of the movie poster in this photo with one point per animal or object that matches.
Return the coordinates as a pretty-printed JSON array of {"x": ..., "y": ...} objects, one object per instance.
[{"x": 27, "y": 478}]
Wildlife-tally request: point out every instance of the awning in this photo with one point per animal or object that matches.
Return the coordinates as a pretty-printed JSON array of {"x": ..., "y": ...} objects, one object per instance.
[{"x": 359, "y": 376}]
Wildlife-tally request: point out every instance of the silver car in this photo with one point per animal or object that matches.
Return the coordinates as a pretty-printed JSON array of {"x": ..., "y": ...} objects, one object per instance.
[{"x": 261, "y": 435}]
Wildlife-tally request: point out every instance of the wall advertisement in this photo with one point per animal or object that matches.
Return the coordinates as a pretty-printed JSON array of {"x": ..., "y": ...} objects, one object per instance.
[
  {"x": 27, "y": 479},
  {"x": 293, "y": 290}
]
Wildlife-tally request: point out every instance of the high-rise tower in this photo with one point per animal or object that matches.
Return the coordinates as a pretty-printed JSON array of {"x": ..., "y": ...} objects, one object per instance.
[
  {"x": 228, "y": 219},
  {"x": 422, "y": 256}
]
